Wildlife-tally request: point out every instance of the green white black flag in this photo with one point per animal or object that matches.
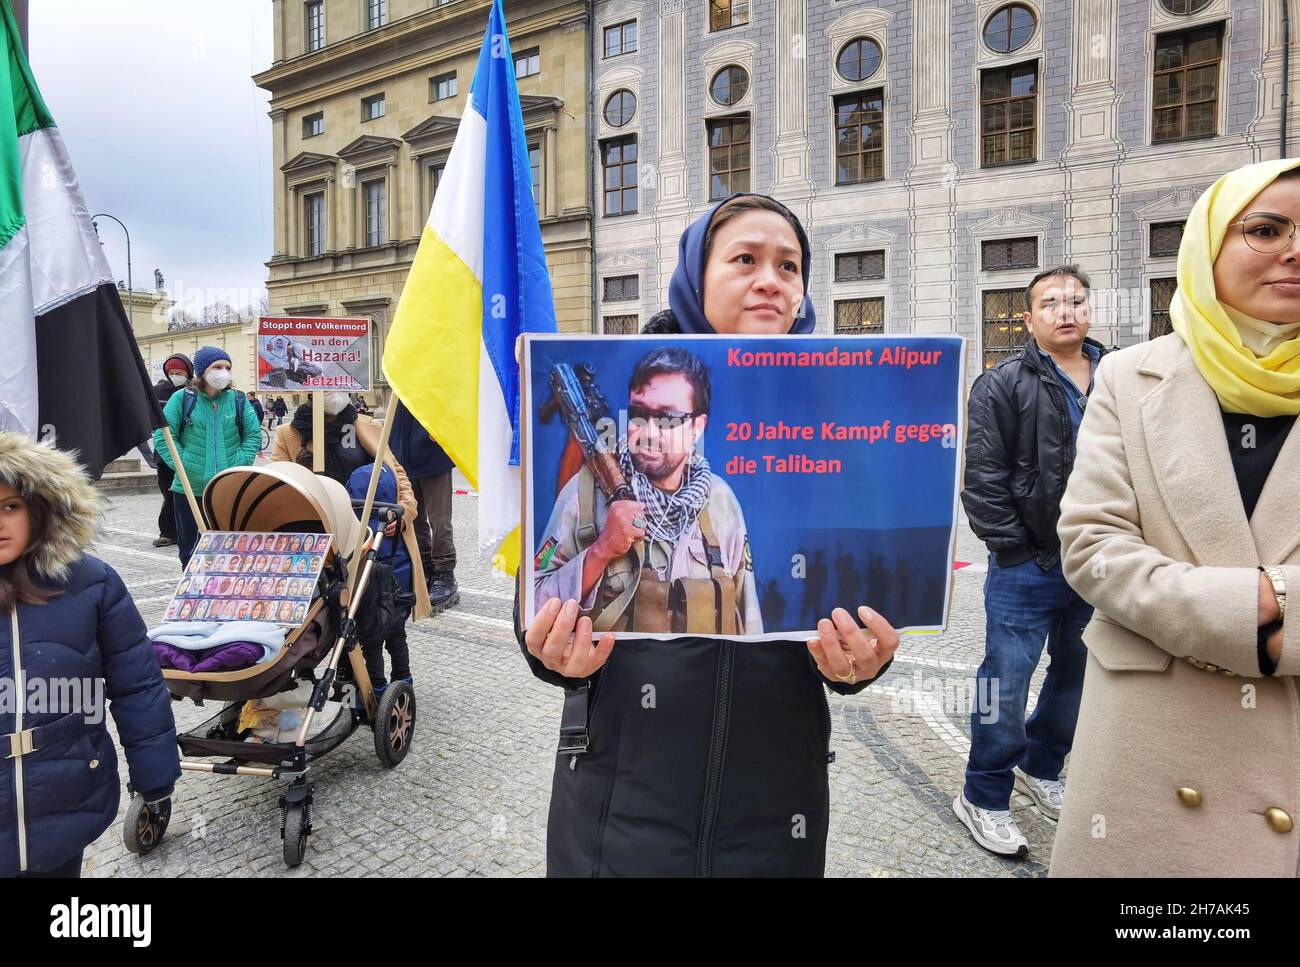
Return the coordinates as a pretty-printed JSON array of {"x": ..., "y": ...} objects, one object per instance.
[{"x": 70, "y": 370}]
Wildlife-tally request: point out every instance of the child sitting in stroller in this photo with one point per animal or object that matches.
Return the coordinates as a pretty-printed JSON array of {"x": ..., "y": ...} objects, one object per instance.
[{"x": 381, "y": 619}]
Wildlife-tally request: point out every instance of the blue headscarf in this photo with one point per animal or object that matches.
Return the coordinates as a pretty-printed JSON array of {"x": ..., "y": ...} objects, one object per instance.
[{"x": 686, "y": 289}]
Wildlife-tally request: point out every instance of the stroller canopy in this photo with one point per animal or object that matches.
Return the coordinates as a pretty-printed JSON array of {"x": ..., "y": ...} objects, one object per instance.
[{"x": 281, "y": 496}]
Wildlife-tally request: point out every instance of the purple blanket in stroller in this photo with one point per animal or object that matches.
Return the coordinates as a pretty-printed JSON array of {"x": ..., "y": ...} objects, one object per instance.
[{"x": 224, "y": 658}]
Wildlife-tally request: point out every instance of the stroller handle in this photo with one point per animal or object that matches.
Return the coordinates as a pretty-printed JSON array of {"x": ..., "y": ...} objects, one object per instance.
[{"x": 391, "y": 512}]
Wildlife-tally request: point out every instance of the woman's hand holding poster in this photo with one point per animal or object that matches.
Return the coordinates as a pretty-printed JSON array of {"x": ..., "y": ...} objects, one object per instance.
[{"x": 741, "y": 486}]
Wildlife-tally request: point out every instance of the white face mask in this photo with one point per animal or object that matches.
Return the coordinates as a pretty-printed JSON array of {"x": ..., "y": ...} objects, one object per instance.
[
  {"x": 177, "y": 379},
  {"x": 334, "y": 403},
  {"x": 218, "y": 378}
]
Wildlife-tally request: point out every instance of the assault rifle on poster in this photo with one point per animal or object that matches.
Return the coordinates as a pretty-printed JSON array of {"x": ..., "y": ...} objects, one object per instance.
[{"x": 578, "y": 400}]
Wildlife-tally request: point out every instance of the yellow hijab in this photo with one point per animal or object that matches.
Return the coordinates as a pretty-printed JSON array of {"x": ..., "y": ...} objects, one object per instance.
[{"x": 1245, "y": 383}]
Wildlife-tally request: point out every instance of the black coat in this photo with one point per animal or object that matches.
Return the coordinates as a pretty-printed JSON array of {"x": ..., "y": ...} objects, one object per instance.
[
  {"x": 725, "y": 775},
  {"x": 1019, "y": 453},
  {"x": 417, "y": 452},
  {"x": 707, "y": 758}
]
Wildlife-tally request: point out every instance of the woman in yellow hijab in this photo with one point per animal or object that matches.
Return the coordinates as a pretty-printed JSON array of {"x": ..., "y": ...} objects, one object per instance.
[{"x": 1181, "y": 526}]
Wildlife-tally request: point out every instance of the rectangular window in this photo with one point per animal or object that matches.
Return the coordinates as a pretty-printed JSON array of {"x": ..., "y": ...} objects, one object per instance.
[
  {"x": 1008, "y": 115},
  {"x": 728, "y": 156},
  {"x": 313, "y": 125},
  {"x": 315, "y": 25},
  {"x": 1004, "y": 324},
  {"x": 528, "y": 63},
  {"x": 622, "y": 325},
  {"x": 860, "y": 266},
  {"x": 1009, "y": 253},
  {"x": 859, "y": 317},
  {"x": 372, "y": 107},
  {"x": 376, "y": 197},
  {"x": 435, "y": 179},
  {"x": 1165, "y": 239},
  {"x": 1162, "y": 293},
  {"x": 620, "y": 288},
  {"x": 859, "y": 137},
  {"x": 620, "y": 39},
  {"x": 314, "y": 217},
  {"x": 535, "y": 170},
  {"x": 376, "y": 13},
  {"x": 442, "y": 87},
  {"x": 1185, "y": 84},
  {"x": 618, "y": 159},
  {"x": 728, "y": 13}
]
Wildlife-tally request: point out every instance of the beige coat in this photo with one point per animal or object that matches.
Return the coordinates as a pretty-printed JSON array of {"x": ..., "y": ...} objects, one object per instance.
[
  {"x": 289, "y": 445},
  {"x": 1177, "y": 770}
]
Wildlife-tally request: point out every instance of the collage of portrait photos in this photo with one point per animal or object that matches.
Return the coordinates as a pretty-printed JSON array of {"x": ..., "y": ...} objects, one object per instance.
[{"x": 250, "y": 577}]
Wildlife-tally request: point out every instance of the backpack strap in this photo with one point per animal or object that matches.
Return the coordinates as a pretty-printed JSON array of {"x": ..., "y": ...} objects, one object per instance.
[{"x": 192, "y": 400}]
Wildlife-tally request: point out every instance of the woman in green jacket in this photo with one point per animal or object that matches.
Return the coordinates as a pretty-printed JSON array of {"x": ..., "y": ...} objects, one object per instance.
[{"x": 214, "y": 428}]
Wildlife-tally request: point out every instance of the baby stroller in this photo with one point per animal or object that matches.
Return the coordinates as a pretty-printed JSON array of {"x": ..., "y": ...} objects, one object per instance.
[{"x": 289, "y": 498}]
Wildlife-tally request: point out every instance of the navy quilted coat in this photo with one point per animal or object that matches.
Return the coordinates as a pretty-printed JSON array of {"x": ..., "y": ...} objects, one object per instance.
[
  {"x": 59, "y": 784},
  {"x": 69, "y": 787}
]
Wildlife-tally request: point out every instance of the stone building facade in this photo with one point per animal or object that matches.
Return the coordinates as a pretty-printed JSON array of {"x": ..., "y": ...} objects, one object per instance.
[
  {"x": 366, "y": 97},
  {"x": 939, "y": 152}
]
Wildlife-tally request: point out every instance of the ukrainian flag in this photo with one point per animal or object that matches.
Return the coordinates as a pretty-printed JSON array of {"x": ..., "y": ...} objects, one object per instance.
[{"x": 479, "y": 280}]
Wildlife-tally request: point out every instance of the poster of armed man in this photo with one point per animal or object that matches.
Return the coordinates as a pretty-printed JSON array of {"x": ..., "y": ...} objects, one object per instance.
[
  {"x": 303, "y": 354},
  {"x": 741, "y": 487}
]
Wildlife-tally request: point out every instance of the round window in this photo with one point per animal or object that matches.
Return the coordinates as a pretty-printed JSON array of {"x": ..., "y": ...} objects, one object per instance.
[
  {"x": 1183, "y": 7},
  {"x": 1009, "y": 28},
  {"x": 858, "y": 59},
  {"x": 619, "y": 108},
  {"x": 729, "y": 85}
]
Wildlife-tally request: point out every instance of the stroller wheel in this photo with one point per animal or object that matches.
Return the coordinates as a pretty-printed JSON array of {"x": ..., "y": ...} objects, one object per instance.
[
  {"x": 294, "y": 830},
  {"x": 143, "y": 827},
  {"x": 395, "y": 723}
]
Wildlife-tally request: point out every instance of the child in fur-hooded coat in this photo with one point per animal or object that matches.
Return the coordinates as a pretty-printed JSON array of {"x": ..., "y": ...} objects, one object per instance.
[{"x": 70, "y": 636}]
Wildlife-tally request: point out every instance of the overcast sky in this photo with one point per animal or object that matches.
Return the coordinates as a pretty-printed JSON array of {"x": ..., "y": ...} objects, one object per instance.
[{"x": 168, "y": 132}]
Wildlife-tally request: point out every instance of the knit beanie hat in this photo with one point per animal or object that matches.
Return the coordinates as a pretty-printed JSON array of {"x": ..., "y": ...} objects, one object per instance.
[{"x": 206, "y": 356}]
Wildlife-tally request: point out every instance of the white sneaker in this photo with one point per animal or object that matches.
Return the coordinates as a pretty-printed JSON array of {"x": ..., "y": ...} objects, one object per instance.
[
  {"x": 994, "y": 829},
  {"x": 1048, "y": 794}
]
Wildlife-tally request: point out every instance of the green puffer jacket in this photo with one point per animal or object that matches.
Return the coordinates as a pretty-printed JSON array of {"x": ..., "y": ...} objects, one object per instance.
[{"x": 206, "y": 453}]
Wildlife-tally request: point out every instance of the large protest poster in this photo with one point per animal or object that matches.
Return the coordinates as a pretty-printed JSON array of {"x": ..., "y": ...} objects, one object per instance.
[
  {"x": 741, "y": 486},
  {"x": 309, "y": 353}
]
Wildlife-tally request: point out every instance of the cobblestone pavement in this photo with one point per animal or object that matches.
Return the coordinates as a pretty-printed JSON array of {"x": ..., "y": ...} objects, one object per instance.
[{"x": 471, "y": 798}]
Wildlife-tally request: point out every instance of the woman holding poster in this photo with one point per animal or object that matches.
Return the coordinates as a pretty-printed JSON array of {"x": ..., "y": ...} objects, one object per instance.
[
  {"x": 699, "y": 756},
  {"x": 1184, "y": 537}
]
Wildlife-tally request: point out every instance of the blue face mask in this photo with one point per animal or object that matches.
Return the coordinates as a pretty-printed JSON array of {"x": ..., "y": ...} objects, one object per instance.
[{"x": 686, "y": 289}]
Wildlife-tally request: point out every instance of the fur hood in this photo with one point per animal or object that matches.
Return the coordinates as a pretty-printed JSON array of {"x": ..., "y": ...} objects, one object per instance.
[{"x": 56, "y": 477}]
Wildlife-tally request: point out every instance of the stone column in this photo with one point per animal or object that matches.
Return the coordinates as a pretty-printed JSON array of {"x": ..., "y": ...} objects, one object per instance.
[
  {"x": 281, "y": 213},
  {"x": 1092, "y": 180},
  {"x": 550, "y": 204},
  {"x": 931, "y": 177},
  {"x": 671, "y": 189},
  {"x": 792, "y": 154}
]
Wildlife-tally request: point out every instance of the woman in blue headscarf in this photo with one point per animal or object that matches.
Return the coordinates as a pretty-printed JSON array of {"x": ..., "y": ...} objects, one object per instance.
[{"x": 705, "y": 757}]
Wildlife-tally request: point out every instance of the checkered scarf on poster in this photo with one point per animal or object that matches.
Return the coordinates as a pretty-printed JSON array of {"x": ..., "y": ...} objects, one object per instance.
[{"x": 669, "y": 515}]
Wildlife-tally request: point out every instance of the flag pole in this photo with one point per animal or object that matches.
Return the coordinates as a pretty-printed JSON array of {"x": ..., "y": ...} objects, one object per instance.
[
  {"x": 185, "y": 480},
  {"x": 381, "y": 452},
  {"x": 317, "y": 432}
]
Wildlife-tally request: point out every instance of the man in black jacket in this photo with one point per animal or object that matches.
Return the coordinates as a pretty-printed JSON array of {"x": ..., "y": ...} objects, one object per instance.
[
  {"x": 1024, "y": 418},
  {"x": 177, "y": 372}
]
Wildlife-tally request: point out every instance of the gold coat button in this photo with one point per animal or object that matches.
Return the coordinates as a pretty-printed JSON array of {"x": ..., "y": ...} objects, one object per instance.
[
  {"x": 94, "y": 764},
  {"x": 1279, "y": 820},
  {"x": 1189, "y": 796}
]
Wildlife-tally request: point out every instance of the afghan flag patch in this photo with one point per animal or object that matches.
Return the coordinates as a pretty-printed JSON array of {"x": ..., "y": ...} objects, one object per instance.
[{"x": 544, "y": 554}]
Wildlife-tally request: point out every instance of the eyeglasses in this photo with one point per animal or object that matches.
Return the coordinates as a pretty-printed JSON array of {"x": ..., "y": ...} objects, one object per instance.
[
  {"x": 1266, "y": 232},
  {"x": 664, "y": 420}
]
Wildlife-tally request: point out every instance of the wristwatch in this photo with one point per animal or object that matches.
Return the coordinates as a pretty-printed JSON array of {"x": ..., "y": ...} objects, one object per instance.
[{"x": 1277, "y": 577}]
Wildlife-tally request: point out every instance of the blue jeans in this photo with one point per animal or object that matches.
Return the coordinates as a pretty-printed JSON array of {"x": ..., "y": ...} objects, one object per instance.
[{"x": 1025, "y": 606}]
